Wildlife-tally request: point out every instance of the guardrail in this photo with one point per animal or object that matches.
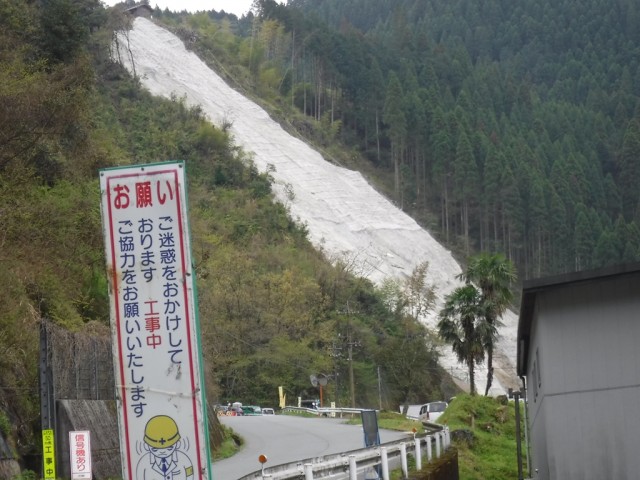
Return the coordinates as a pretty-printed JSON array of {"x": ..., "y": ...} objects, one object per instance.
[
  {"x": 349, "y": 464},
  {"x": 430, "y": 427},
  {"x": 324, "y": 411}
]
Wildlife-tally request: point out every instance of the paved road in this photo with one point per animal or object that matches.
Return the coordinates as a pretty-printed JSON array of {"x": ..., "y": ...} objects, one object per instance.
[{"x": 286, "y": 438}]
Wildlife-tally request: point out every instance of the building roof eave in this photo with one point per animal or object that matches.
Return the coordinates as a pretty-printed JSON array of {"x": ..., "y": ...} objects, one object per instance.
[{"x": 531, "y": 288}]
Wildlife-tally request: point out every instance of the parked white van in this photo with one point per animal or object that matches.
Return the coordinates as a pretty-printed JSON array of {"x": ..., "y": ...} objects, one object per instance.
[{"x": 429, "y": 412}]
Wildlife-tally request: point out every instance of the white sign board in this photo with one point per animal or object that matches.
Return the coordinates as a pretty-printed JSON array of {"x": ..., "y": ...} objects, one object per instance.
[
  {"x": 154, "y": 325},
  {"x": 80, "y": 453}
]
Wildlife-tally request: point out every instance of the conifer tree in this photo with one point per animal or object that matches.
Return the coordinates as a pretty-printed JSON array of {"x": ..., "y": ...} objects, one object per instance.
[
  {"x": 630, "y": 171},
  {"x": 396, "y": 122}
]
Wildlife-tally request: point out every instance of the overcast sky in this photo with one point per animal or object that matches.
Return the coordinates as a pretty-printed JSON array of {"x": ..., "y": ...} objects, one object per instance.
[{"x": 239, "y": 7}]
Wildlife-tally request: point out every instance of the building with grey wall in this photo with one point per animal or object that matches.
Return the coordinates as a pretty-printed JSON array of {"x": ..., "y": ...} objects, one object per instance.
[{"x": 579, "y": 351}]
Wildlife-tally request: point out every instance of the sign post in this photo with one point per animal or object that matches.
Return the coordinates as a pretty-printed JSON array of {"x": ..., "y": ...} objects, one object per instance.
[
  {"x": 49, "y": 454},
  {"x": 371, "y": 437},
  {"x": 370, "y": 427},
  {"x": 154, "y": 324},
  {"x": 80, "y": 455}
]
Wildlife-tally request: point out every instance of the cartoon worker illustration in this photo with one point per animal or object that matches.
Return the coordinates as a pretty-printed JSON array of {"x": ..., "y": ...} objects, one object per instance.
[{"x": 164, "y": 460}]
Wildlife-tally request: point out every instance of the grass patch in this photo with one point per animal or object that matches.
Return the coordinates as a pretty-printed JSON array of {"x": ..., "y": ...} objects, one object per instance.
[
  {"x": 487, "y": 443},
  {"x": 391, "y": 421},
  {"x": 231, "y": 444},
  {"x": 397, "y": 421}
]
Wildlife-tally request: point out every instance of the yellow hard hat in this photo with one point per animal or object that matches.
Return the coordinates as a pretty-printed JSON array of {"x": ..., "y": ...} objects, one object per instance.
[{"x": 161, "y": 432}]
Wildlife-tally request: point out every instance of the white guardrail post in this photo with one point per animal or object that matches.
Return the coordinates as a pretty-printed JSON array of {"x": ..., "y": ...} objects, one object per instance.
[
  {"x": 418, "y": 455},
  {"x": 429, "y": 451},
  {"x": 384, "y": 459},
  {"x": 403, "y": 460},
  {"x": 353, "y": 468},
  {"x": 308, "y": 471}
]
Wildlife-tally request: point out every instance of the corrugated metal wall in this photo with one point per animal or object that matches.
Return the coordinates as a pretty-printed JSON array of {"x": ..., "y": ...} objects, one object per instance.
[{"x": 587, "y": 424}]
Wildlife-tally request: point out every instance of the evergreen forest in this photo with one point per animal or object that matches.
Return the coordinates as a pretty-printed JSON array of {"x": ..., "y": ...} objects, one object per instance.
[{"x": 501, "y": 126}]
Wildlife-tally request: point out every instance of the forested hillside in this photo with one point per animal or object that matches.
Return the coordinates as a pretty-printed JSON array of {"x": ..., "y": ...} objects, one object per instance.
[
  {"x": 521, "y": 120},
  {"x": 507, "y": 126},
  {"x": 273, "y": 310}
]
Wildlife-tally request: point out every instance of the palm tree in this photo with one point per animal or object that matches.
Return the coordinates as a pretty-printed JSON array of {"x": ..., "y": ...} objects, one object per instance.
[
  {"x": 458, "y": 326},
  {"x": 493, "y": 274}
]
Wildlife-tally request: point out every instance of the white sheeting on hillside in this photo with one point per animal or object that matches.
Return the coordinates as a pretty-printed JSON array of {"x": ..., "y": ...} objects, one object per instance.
[{"x": 345, "y": 216}]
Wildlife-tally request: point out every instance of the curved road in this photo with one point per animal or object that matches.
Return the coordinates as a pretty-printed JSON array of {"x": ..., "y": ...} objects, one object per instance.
[{"x": 287, "y": 438}]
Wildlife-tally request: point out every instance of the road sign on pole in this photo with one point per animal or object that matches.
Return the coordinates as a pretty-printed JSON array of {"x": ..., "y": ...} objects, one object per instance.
[
  {"x": 154, "y": 324},
  {"x": 80, "y": 455},
  {"x": 49, "y": 454}
]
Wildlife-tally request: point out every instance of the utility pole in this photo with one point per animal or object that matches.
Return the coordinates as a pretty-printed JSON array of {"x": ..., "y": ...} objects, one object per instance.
[
  {"x": 516, "y": 396},
  {"x": 350, "y": 344},
  {"x": 351, "y": 382},
  {"x": 335, "y": 353},
  {"x": 379, "y": 389}
]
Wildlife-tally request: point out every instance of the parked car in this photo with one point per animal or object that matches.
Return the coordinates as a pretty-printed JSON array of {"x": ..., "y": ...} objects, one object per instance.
[
  {"x": 312, "y": 404},
  {"x": 429, "y": 412},
  {"x": 268, "y": 411},
  {"x": 252, "y": 410}
]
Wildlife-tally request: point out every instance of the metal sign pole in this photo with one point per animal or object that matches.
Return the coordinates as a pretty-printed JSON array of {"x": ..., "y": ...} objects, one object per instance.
[{"x": 47, "y": 407}]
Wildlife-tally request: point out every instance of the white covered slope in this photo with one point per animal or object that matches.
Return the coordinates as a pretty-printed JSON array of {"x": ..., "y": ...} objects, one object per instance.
[{"x": 344, "y": 215}]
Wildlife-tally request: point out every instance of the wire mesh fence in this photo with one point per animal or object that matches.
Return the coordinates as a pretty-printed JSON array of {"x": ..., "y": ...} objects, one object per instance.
[{"x": 81, "y": 364}]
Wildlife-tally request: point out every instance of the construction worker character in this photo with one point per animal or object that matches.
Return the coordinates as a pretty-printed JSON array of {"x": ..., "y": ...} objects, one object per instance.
[{"x": 164, "y": 460}]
